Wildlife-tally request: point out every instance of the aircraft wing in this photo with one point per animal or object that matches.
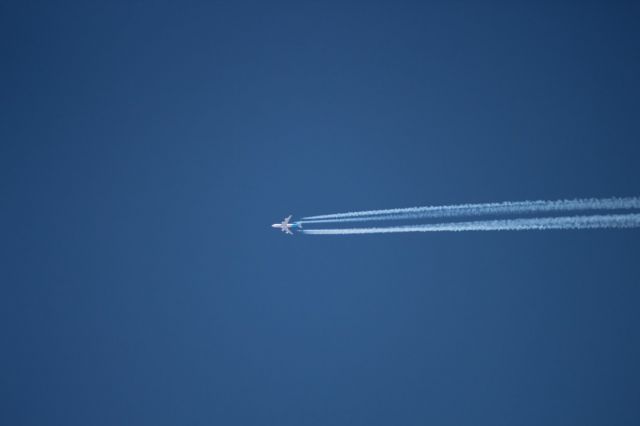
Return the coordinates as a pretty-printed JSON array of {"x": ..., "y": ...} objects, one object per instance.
[
  {"x": 288, "y": 231},
  {"x": 286, "y": 221}
]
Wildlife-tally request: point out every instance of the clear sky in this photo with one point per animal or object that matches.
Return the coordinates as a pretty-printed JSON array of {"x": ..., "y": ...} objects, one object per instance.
[{"x": 146, "y": 147}]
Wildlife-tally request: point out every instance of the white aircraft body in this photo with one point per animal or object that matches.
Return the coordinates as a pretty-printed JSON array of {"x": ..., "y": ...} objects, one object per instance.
[{"x": 285, "y": 226}]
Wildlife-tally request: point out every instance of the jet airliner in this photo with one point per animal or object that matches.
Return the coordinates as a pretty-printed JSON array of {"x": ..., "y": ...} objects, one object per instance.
[{"x": 285, "y": 226}]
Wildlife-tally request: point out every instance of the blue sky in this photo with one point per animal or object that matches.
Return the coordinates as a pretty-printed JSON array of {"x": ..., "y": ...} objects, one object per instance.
[{"x": 145, "y": 148}]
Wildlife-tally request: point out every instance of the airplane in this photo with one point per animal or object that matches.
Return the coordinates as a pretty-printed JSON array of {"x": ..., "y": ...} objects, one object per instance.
[{"x": 285, "y": 226}]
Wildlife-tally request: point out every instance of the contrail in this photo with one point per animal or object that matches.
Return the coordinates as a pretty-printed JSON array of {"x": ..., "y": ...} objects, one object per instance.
[
  {"x": 630, "y": 220},
  {"x": 509, "y": 207}
]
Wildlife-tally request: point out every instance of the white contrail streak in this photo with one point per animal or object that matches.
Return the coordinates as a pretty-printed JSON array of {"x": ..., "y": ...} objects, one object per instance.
[
  {"x": 518, "y": 207},
  {"x": 631, "y": 220}
]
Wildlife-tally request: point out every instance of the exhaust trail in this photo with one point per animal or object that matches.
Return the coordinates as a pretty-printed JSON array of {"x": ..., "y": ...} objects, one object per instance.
[
  {"x": 630, "y": 220},
  {"x": 509, "y": 207}
]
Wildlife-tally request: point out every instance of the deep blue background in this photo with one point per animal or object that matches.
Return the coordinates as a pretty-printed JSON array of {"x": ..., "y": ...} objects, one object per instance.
[{"x": 145, "y": 148}]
